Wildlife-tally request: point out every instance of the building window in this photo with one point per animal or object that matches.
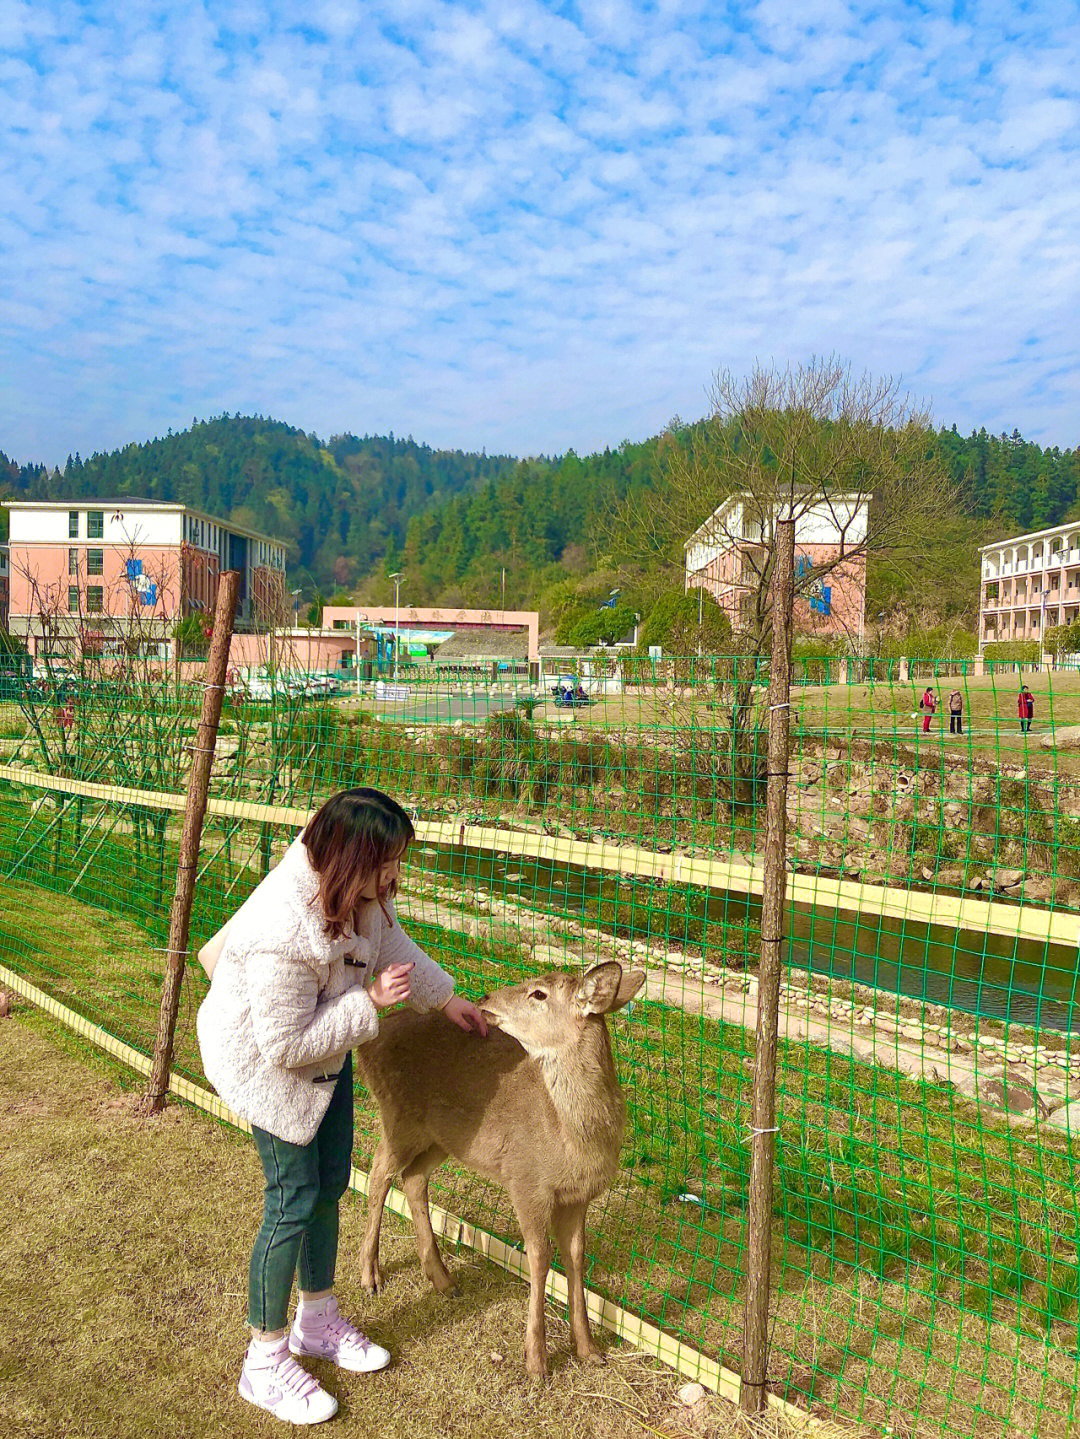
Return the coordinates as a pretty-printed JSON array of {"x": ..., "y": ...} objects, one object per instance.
[
  {"x": 73, "y": 524},
  {"x": 95, "y": 597},
  {"x": 95, "y": 524},
  {"x": 73, "y": 562},
  {"x": 73, "y": 599},
  {"x": 95, "y": 562}
]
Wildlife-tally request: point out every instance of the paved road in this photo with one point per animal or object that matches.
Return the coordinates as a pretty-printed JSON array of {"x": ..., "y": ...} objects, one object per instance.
[{"x": 427, "y": 708}]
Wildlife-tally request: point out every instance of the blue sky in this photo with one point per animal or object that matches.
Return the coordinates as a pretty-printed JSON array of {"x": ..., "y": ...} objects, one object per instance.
[{"x": 528, "y": 226}]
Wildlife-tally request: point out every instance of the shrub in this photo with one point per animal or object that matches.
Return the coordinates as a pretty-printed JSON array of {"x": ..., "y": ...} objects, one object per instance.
[
  {"x": 673, "y": 624},
  {"x": 604, "y": 626},
  {"x": 1014, "y": 651}
]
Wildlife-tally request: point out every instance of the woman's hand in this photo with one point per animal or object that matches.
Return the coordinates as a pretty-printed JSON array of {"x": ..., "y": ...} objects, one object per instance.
[
  {"x": 390, "y": 986},
  {"x": 464, "y": 1014}
]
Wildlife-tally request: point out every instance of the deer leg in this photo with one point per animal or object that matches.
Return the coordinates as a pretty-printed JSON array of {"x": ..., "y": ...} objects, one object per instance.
[
  {"x": 534, "y": 1228},
  {"x": 383, "y": 1169},
  {"x": 569, "y": 1224},
  {"x": 414, "y": 1180}
]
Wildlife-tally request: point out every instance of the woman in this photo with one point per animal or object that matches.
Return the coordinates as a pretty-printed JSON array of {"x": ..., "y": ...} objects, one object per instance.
[
  {"x": 928, "y": 704},
  {"x": 1025, "y": 708},
  {"x": 956, "y": 712},
  {"x": 299, "y": 975}
]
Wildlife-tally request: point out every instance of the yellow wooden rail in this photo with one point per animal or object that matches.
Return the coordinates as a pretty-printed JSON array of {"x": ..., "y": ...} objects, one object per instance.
[{"x": 723, "y": 873}]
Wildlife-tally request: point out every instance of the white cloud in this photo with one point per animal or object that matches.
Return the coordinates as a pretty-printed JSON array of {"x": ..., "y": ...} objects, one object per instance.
[{"x": 521, "y": 227}]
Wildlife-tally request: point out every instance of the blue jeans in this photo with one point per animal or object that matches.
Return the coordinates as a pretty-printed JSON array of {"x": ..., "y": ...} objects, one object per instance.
[{"x": 299, "y": 1231}]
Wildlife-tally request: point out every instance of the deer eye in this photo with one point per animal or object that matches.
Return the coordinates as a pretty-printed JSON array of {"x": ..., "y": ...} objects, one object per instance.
[{"x": 538, "y": 994}]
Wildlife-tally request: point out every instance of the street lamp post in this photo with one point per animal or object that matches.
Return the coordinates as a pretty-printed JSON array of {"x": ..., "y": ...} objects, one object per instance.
[
  {"x": 396, "y": 577},
  {"x": 359, "y": 618}
]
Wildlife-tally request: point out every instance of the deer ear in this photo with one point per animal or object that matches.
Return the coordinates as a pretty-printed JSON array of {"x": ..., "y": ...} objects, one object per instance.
[
  {"x": 600, "y": 988},
  {"x": 629, "y": 985}
]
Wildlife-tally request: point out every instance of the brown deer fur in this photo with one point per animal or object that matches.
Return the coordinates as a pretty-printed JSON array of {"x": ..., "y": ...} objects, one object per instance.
[{"x": 536, "y": 1106}]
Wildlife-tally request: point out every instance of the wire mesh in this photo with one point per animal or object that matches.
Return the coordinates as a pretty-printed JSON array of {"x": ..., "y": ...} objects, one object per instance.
[{"x": 926, "y": 1270}]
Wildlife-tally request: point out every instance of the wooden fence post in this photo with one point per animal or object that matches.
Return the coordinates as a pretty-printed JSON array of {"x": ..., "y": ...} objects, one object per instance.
[
  {"x": 752, "y": 1394},
  {"x": 202, "y": 760}
]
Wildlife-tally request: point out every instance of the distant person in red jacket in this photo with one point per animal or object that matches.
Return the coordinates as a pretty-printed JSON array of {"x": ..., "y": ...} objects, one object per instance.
[
  {"x": 928, "y": 704},
  {"x": 1025, "y": 708}
]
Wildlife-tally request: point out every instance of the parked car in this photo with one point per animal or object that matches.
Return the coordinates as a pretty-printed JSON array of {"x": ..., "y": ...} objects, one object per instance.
[{"x": 319, "y": 686}]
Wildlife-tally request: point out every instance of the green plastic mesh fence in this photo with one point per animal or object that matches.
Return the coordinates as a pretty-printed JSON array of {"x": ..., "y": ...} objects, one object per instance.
[{"x": 926, "y": 1271}]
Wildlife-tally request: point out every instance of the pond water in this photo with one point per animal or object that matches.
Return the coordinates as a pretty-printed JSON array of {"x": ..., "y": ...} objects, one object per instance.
[{"x": 1017, "y": 980}]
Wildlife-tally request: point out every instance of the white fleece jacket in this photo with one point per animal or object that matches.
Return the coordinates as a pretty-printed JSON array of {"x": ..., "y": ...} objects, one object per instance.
[{"x": 284, "y": 1007}]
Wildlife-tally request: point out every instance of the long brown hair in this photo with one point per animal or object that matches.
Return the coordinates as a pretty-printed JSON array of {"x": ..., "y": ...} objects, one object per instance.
[{"x": 348, "y": 840}]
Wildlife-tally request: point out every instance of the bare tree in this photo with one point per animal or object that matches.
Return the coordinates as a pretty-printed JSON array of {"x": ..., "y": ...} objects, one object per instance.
[
  {"x": 856, "y": 456},
  {"x": 98, "y": 706},
  {"x": 808, "y": 440}
]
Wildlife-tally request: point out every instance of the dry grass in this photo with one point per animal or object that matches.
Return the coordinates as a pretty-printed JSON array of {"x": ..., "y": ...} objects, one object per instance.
[{"x": 122, "y": 1290}]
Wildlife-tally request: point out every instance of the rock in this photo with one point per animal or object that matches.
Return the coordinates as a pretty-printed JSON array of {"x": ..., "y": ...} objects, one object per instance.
[
  {"x": 1063, "y": 737},
  {"x": 1007, "y": 878},
  {"x": 691, "y": 1394},
  {"x": 977, "y": 882},
  {"x": 1067, "y": 1117},
  {"x": 1013, "y": 1093},
  {"x": 1039, "y": 890},
  {"x": 926, "y": 872}
]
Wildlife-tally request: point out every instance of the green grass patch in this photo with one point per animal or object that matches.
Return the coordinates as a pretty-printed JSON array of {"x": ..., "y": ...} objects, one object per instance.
[{"x": 898, "y": 1209}]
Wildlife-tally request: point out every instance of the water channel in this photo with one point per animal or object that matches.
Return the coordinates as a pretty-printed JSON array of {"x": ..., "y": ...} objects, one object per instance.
[{"x": 1017, "y": 980}]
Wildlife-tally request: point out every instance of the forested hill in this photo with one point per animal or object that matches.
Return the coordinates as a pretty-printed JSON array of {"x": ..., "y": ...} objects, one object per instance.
[
  {"x": 545, "y": 522},
  {"x": 1013, "y": 482},
  {"x": 352, "y": 508},
  {"x": 342, "y": 506}
]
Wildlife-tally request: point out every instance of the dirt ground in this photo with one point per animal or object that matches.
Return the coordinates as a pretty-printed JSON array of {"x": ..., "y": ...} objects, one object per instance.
[{"x": 122, "y": 1291}]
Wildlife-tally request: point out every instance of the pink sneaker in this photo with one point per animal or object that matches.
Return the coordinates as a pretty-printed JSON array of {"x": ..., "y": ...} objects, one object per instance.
[
  {"x": 329, "y": 1336},
  {"x": 272, "y": 1380}
]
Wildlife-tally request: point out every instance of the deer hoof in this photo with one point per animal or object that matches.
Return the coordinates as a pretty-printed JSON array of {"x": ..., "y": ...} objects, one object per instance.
[
  {"x": 371, "y": 1276},
  {"x": 592, "y": 1356}
]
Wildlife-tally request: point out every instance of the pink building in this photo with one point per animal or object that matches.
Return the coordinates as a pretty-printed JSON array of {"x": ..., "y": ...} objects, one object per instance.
[
  {"x": 409, "y": 617},
  {"x": 93, "y": 572},
  {"x": 723, "y": 556}
]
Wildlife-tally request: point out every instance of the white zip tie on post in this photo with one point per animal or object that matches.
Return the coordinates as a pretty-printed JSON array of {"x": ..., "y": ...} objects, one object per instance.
[
  {"x": 775, "y": 1129},
  {"x": 786, "y": 705}
]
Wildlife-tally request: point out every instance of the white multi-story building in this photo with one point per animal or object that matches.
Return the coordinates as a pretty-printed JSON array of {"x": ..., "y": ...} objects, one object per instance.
[{"x": 1029, "y": 583}]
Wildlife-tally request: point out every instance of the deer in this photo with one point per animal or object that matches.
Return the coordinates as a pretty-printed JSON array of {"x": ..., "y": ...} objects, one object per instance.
[{"x": 536, "y": 1106}]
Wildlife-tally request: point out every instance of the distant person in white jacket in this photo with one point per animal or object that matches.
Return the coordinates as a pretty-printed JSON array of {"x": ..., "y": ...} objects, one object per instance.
[{"x": 299, "y": 975}]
